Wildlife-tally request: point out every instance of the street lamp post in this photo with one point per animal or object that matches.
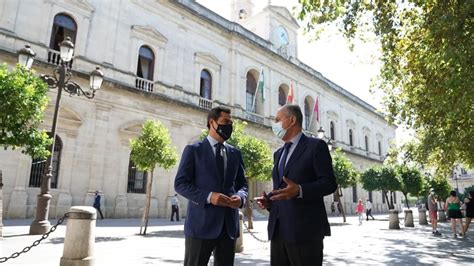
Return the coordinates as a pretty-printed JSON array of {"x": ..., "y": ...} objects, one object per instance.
[
  {"x": 60, "y": 80},
  {"x": 456, "y": 178},
  {"x": 330, "y": 141}
]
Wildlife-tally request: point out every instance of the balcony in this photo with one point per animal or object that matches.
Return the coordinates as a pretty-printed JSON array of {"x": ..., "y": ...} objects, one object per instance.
[
  {"x": 205, "y": 103},
  {"x": 255, "y": 118},
  {"x": 143, "y": 84},
  {"x": 55, "y": 59}
]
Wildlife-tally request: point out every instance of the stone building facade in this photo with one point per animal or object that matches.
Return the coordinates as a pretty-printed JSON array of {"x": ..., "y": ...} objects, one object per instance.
[{"x": 170, "y": 61}]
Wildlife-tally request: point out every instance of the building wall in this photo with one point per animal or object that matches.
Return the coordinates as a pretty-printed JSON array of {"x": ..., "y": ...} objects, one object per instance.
[{"x": 96, "y": 133}]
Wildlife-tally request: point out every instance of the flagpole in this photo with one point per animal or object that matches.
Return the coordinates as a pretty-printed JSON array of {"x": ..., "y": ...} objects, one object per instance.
[{"x": 254, "y": 107}]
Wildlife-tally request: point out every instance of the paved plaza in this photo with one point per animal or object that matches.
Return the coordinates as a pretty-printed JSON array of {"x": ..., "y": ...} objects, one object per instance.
[{"x": 371, "y": 243}]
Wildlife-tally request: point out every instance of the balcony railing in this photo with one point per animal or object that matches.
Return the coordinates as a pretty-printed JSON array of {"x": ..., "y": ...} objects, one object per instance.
[
  {"x": 205, "y": 103},
  {"x": 55, "y": 58},
  {"x": 255, "y": 118},
  {"x": 143, "y": 84}
]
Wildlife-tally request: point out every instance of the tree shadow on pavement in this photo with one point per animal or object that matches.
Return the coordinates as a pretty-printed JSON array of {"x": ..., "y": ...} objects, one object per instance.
[
  {"x": 60, "y": 240},
  {"x": 166, "y": 233}
]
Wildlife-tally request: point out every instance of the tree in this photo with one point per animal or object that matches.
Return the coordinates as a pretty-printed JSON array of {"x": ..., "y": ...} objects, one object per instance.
[
  {"x": 426, "y": 72},
  {"x": 152, "y": 148},
  {"x": 257, "y": 157},
  {"x": 23, "y": 99},
  {"x": 411, "y": 182},
  {"x": 441, "y": 187},
  {"x": 382, "y": 178},
  {"x": 345, "y": 173}
]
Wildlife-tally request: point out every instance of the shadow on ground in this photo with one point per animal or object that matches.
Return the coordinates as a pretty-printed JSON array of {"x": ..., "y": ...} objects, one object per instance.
[
  {"x": 60, "y": 240},
  {"x": 166, "y": 233}
]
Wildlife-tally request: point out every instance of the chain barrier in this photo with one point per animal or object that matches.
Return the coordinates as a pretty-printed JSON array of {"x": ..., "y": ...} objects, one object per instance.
[
  {"x": 37, "y": 242},
  {"x": 250, "y": 232}
]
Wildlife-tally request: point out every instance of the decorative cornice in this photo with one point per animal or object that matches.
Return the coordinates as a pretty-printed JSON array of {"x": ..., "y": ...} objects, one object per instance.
[{"x": 149, "y": 35}]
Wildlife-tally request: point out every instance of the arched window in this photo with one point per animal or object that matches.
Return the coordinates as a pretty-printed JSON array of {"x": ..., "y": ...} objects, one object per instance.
[
  {"x": 146, "y": 63},
  {"x": 206, "y": 85},
  {"x": 39, "y": 167},
  {"x": 282, "y": 97},
  {"x": 350, "y": 138},
  {"x": 380, "y": 148},
  {"x": 136, "y": 179},
  {"x": 366, "y": 143},
  {"x": 63, "y": 26},
  {"x": 251, "y": 87},
  {"x": 331, "y": 127},
  {"x": 308, "y": 104}
]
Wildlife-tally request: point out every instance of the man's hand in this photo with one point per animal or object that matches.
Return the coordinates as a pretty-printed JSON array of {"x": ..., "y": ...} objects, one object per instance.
[
  {"x": 263, "y": 202},
  {"x": 235, "y": 202},
  {"x": 292, "y": 190},
  {"x": 219, "y": 199}
]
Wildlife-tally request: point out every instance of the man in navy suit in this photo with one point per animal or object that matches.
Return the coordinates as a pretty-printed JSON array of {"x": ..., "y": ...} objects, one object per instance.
[
  {"x": 302, "y": 176},
  {"x": 211, "y": 176}
]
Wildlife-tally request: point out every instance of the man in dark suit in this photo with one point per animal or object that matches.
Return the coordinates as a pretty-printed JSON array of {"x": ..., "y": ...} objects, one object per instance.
[
  {"x": 302, "y": 176},
  {"x": 211, "y": 176}
]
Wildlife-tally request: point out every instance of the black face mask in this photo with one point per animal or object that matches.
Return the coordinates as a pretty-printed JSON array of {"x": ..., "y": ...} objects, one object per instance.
[{"x": 225, "y": 131}]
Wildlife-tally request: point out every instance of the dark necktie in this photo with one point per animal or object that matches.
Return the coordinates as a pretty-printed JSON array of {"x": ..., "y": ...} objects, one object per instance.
[
  {"x": 281, "y": 166},
  {"x": 220, "y": 159}
]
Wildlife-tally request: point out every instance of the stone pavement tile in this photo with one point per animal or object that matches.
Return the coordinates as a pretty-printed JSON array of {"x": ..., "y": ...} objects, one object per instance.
[{"x": 118, "y": 243}]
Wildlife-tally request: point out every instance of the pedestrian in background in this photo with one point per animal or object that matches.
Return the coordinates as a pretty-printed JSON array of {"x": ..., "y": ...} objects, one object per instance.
[
  {"x": 453, "y": 207},
  {"x": 368, "y": 209},
  {"x": 174, "y": 207},
  {"x": 360, "y": 211},
  {"x": 96, "y": 205},
  {"x": 433, "y": 211},
  {"x": 469, "y": 201}
]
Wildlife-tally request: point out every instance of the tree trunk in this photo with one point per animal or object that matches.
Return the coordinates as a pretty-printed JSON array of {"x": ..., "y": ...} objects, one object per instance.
[
  {"x": 387, "y": 200},
  {"x": 249, "y": 214},
  {"x": 339, "y": 196},
  {"x": 406, "y": 200},
  {"x": 391, "y": 200},
  {"x": 146, "y": 210}
]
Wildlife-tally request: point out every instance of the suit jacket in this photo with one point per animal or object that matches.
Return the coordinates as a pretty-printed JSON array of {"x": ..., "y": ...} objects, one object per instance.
[
  {"x": 303, "y": 219},
  {"x": 197, "y": 176}
]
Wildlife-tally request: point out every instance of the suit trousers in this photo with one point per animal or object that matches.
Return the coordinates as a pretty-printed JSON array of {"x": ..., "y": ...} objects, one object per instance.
[
  {"x": 198, "y": 251},
  {"x": 284, "y": 253}
]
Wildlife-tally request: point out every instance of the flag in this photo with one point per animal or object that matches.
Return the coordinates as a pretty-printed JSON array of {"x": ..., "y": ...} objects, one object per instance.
[
  {"x": 316, "y": 109},
  {"x": 290, "y": 94},
  {"x": 261, "y": 84}
]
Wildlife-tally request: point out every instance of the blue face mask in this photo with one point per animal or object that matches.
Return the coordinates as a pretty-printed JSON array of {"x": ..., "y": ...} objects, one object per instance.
[{"x": 278, "y": 130}]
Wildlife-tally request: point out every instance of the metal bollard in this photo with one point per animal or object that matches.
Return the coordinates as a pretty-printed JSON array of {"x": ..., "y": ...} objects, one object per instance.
[
  {"x": 80, "y": 237},
  {"x": 239, "y": 244},
  {"x": 393, "y": 220},
  {"x": 409, "y": 218},
  {"x": 441, "y": 216}
]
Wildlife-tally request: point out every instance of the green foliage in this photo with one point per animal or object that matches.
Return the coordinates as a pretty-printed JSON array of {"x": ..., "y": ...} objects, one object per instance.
[
  {"x": 411, "y": 181},
  {"x": 426, "y": 72},
  {"x": 382, "y": 178},
  {"x": 152, "y": 147},
  {"x": 23, "y": 99},
  {"x": 466, "y": 191},
  {"x": 441, "y": 187},
  {"x": 345, "y": 173},
  {"x": 256, "y": 153}
]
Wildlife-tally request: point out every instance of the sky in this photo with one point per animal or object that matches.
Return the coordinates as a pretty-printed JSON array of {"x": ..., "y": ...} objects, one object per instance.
[{"x": 330, "y": 55}]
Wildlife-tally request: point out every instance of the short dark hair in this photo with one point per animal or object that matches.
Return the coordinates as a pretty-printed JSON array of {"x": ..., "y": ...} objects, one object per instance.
[
  {"x": 453, "y": 193},
  {"x": 294, "y": 110},
  {"x": 215, "y": 113}
]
